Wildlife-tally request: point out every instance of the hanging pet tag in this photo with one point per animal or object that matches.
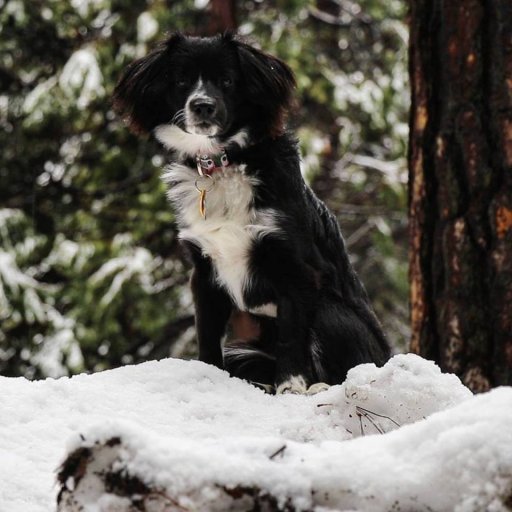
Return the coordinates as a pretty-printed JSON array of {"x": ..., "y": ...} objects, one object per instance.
[{"x": 202, "y": 195}]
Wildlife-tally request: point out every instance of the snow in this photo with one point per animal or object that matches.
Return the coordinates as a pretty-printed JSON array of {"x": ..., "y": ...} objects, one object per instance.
[
  {"x": 147, "y": 27},
  {"x": 37, "y": 94},
  {"x": 135, "y": 262},
  {"x": 81, "y": 74},
  {"x": 55, "y": 345},
  {"x": 83, "y": 7},
  {"x": 189, "y": 428}
]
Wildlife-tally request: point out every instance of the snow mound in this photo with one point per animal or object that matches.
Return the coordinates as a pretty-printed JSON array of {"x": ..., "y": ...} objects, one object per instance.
[
  {"x": 407, "y": 389},
  {"x": 178, "y": 435}
]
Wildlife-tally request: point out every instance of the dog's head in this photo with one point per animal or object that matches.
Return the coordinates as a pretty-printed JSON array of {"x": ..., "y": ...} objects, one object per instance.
[{"x": 206, "y": 86}]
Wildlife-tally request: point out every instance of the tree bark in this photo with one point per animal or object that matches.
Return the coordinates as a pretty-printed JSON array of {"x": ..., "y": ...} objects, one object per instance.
[{"x": 460, "y": 201}]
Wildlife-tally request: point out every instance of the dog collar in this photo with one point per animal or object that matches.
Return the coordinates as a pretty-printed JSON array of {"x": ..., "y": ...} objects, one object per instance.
[{"x": 208, "y": 164}]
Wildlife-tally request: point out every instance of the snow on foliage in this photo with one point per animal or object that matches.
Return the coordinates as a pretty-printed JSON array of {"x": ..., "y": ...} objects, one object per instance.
[
  {"x": 182, "y": 435},
  {"x": 82, "y": 75},
  {"x": 133, "y": 263},
  {"x": 24, "y": 298},
  {"x": 147, "y": 27}
]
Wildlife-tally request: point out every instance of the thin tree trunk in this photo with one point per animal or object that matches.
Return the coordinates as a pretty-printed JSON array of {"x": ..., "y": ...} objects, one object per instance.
[{"x": 460, "y": 201}]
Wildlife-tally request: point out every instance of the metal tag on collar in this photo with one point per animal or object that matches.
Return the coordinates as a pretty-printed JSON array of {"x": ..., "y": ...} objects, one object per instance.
[{"x": 207, "y": 164}]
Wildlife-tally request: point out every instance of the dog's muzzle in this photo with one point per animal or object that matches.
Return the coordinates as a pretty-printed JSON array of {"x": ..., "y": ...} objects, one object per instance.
[
  {"x": 205, "y": 115},
  {"x": 203, "y": 109}
]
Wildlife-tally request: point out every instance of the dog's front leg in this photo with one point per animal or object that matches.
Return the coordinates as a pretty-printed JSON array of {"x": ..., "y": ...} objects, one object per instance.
[
  {"x": 212, "y": 308},
  {"x": 293, "y": 368}
]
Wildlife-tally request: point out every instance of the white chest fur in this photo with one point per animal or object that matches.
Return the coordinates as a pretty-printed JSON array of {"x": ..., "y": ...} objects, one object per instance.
[{"x": 232, "y": 223}]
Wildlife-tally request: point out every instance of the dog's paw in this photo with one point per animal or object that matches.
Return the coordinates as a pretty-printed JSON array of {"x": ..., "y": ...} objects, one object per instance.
[
  {"x": 295, "y": 385},
  {"x": 317, "y": 387}
]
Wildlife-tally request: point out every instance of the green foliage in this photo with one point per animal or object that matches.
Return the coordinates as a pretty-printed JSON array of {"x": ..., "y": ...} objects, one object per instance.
[{"x": 91, "y": 274}]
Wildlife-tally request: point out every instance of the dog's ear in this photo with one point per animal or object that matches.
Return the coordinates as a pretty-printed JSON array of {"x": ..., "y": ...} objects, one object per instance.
[
  {"x": 141, "y": 91},
  {"x": 269, "y": 81}
]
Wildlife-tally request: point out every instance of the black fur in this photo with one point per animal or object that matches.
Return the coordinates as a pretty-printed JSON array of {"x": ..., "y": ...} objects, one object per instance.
[{"x": 324, "y": 324}]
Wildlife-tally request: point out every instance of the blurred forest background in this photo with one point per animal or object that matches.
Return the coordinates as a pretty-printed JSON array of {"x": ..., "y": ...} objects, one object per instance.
[{"x": 91, "y": 274}]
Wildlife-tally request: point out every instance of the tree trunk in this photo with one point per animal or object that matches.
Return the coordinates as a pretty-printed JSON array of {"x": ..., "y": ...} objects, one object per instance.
[
  {"x": 222, "y": 16},
  {"x": 460, "y": 204}
]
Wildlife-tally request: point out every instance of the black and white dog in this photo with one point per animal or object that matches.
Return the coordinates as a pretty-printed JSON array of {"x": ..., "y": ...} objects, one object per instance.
[{"x": 259, "y": 239}]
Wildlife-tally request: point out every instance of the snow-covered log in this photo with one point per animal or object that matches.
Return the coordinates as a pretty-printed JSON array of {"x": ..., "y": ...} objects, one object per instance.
[
  {"x": 97, "y": 478},
  {"x": 459, "y": 459}
]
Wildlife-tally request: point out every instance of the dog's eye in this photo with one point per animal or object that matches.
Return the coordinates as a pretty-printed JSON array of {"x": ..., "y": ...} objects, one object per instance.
[
  {"x": 227, "y": 82},
  {"x": 181, "y": 82}
]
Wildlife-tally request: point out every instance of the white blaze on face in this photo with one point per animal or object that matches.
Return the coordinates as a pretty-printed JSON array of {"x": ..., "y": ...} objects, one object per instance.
[{"x": 199, "y": 92}]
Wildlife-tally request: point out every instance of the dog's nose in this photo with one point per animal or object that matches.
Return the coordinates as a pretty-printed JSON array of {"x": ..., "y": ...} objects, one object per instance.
[{"x": 203, "y": 108}]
